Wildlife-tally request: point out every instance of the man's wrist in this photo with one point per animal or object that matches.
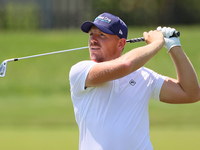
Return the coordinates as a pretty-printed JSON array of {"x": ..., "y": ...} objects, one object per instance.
[{"x": 175, "y": 49}]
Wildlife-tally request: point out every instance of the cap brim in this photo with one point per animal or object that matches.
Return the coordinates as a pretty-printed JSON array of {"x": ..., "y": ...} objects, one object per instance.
[{"x": 86, "y": 26}]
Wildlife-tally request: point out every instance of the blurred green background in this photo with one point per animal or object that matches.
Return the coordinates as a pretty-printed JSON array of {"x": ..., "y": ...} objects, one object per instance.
[{"x": 36, "y": 111}]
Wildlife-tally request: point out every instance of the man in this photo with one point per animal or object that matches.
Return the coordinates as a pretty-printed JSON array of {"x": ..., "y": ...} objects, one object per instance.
[{"x": 110, "y": 93}]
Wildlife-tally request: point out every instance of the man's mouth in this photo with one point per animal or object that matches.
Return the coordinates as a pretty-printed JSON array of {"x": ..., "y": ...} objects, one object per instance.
[{"x": 94, "y": 48}]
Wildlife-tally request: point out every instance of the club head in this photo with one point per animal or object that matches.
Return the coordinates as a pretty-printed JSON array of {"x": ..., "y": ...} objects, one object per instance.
[{"x": 3, "y": 68}]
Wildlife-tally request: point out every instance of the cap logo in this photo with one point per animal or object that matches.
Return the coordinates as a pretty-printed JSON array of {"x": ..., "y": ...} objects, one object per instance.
[
  {"x": 105, "y": 19},
  {"x": 120, "y": 32}
]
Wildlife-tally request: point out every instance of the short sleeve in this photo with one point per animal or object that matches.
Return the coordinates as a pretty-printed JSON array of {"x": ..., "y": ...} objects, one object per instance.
[
  {"x": 157, "y": 83},
  {"x": 78, "y": 75}
]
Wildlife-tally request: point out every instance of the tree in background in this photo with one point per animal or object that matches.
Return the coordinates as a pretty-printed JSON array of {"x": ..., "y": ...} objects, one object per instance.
[
  {"x": 34, "y": 14},
  {"x": 151, "y": 12}
]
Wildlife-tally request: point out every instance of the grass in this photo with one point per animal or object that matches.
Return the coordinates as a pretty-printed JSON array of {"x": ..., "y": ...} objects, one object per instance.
[
  {"x": 175, "y": 139},
  {"x": 67, "y": 138},
  {"x": 39, "y": 139},
  {"x": 36, "y": 111}
]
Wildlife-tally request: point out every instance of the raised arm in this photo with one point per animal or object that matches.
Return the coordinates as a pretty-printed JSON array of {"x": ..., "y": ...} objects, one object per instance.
[
  {"x": 127, "y": 63},
  {"x": 184, "y": 89}
]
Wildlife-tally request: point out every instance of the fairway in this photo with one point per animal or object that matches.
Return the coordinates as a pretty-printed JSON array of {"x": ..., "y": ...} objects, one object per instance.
[
  {"x": 175, "y": 139},
  {"x": 39, "y": 139},
  {"x": 36, "y": 112},
  {"x": 67, "y": 139}
]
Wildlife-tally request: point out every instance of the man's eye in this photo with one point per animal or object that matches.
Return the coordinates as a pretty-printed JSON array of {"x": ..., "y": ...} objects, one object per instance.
[{"x": 102, "y": 34}]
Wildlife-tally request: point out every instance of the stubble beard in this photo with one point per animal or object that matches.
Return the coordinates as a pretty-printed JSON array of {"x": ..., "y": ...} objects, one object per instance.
[{"x": 97, "y": 58}]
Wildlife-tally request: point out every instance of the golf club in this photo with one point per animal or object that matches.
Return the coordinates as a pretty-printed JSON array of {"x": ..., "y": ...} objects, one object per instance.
[{"x": 4, "y": 63}]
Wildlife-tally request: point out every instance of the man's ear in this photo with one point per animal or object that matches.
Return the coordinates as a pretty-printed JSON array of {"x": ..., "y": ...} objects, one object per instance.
[{"x": 122, "y": 43}]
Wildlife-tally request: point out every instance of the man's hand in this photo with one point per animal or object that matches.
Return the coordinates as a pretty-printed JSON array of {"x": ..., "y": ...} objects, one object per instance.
[
  {"x": 153, "y": 36},
  {"x": 170, "y": 42}
]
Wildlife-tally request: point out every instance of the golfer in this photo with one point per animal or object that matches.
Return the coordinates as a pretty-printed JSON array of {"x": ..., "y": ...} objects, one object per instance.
[{"x": 111, "y": 92}]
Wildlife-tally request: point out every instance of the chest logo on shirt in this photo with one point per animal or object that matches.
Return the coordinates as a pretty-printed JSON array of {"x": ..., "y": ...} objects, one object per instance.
[{"x": 132, "y": 82}]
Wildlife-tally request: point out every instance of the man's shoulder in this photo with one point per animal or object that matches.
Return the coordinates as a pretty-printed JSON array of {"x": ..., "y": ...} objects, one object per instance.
[
  {"x": 83, "y": 63},
  {"x": 80, "y": 67}
]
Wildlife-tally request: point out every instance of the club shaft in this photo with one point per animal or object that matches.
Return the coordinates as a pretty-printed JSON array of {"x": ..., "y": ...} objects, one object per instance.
[
  {"x": 62, "y": 51},
  {"x": 56, "y": 52},
  {"x": 175, "y": 34}
]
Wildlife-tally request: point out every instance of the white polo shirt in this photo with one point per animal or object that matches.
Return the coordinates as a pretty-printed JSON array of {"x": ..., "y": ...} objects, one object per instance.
[{"x": 114, "y": 115}]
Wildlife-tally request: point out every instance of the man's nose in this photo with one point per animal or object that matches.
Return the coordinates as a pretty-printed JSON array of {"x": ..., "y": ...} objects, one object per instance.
[{"x": 94, "y": 38}]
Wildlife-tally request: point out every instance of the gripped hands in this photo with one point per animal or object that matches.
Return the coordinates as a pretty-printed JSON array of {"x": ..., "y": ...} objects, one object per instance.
[{"x": 154, "y": 36}]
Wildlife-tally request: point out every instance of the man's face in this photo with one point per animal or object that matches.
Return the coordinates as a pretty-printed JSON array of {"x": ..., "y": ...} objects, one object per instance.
[{"x": 102, "y": 46}]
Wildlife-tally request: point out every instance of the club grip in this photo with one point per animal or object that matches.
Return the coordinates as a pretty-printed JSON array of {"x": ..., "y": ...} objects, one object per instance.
[
  {"x": 135, "y": 40},
  {"x": 175, "y": 34}
]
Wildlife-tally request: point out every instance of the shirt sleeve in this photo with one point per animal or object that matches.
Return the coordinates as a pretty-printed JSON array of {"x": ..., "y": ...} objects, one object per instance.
[
  {"x": 157, "y": 83},
  {"x": 78, "y": 75}
]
